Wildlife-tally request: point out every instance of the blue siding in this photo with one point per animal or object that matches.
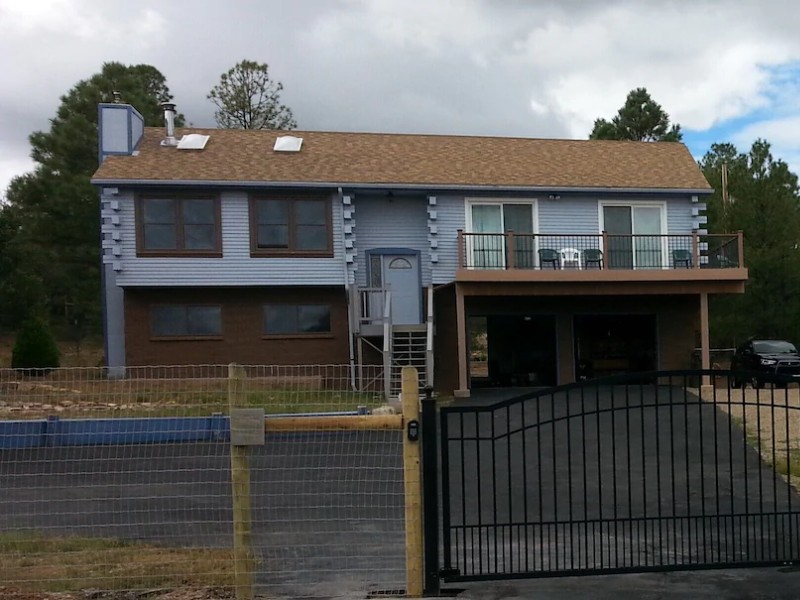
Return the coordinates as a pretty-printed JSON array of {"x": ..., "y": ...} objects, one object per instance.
[
  {"x": 450, "y": 217},
  {"x": 120, "y": 129},
  {"x": 378, "y": 222},
  {"x": 582, "y": 215},
  {"x": 235, "y": 268},
  {"x": 568, "y": 215},
  {"x": 398, "y": 222},
  {"x": 679, "y": 216}
]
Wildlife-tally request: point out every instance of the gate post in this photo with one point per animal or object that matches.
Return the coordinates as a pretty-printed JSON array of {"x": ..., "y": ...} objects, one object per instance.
[
  {"x": 430, "y": 493},
  {"x": 411, "y": 479},
  {"x": 245, "y": 431}
]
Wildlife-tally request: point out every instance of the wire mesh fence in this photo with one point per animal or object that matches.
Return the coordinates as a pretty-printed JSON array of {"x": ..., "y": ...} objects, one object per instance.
[{"x": 124, "y": 485}]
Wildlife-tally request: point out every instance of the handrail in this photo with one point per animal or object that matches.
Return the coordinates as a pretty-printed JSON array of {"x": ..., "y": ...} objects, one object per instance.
[
  {"x": 429, "y": 343},
  {"x": 387, "y": 345},
  {"x": 366, "y": 296},
  {"x": 354, "y": 309},
  {"x": 533, "y": 251}
]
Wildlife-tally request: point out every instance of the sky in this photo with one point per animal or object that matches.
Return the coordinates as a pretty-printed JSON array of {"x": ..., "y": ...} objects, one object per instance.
[{"x": 725, "y": 71}]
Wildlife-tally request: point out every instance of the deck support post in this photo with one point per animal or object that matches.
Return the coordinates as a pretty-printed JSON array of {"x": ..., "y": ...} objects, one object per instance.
[
  {"x": 705, "y": 353},
  {"x": 463, "y": 365}
]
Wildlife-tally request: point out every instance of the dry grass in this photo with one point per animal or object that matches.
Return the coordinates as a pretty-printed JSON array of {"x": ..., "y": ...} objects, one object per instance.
[
  {"x": 770, "y": 420},
  {"x": 64, "y": 564},
  {"x": 175, "y": 391}
]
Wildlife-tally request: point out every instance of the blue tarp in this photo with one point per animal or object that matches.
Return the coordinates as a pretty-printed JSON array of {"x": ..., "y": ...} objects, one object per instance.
[{"x": 83, "y": 432}]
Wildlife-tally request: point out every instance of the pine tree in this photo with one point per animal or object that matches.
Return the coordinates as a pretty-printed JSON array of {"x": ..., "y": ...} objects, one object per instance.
[
  {"x": 246, "y": 98},
  {"x": 640, "y": 119},
  {"x": 50, "y": 223}
]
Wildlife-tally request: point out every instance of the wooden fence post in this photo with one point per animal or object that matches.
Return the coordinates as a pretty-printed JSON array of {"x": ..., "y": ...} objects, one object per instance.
[
  {"x": 412, "y": 481},
  {"x": 243, "y": 559}
]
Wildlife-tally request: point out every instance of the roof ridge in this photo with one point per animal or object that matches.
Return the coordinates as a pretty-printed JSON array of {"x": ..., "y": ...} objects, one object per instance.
[{"x": 410, "y": 134}]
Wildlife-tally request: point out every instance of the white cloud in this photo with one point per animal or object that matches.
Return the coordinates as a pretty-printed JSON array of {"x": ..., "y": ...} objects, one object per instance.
[
  {"x": 539, "y": 108},
  {"x": 545, "y": 68},
  {"x": 784, "y": 131},
  {"x": 434, "y": 27},
  {"x": 783, "y": 134},
  {"x": 582, "y": 59},
  {"x": 76, "y": 19},
  {"x": 588, "y": 62}
]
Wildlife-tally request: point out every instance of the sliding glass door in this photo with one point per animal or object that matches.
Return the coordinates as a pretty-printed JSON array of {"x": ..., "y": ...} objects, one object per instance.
[
  {"x": 634, "y": 236},
  {"x": 490, "y": 250}
]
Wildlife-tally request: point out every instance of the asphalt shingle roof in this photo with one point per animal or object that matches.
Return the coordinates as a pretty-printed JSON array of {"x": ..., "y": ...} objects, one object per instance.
[{"x": 415, "y": 160}]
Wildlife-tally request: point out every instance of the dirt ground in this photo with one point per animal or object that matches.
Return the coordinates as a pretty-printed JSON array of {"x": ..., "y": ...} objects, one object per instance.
[
  {"x": 7, "y": 593},
  {"x": 773, "y": 412}
]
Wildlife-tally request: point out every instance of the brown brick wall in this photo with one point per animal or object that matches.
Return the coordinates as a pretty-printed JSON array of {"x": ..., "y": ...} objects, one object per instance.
[{"x": 242, "y": 323}]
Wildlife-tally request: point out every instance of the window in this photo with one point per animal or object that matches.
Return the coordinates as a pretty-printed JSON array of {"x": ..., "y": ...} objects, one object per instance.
[
  {"x": 290, "y": 225},
  {"x": 296, "y": 319},
  {"x": 635, "y": 234},
  {"x": 400, "y": 263},
  {"x": 178, "y": 225},
  {"x": 488, "y": 222},
  {"x": 186, "y": 320}
]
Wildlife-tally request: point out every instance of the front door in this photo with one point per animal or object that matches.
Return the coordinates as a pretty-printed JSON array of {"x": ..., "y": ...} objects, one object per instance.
[{"x": 399, "y": 273}]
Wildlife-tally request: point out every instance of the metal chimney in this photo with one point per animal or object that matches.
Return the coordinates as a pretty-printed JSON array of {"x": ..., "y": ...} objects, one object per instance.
[{"x": 169, "y": 122}]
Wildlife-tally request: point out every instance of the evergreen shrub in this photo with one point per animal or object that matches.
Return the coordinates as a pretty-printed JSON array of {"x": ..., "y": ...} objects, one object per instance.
[{"x": 35, "y": 348}]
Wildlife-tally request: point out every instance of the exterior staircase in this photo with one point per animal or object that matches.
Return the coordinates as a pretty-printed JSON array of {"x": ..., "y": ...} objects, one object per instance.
[
  {"x": 408, "y": 349},
  {"x": 400, "y": 345}
]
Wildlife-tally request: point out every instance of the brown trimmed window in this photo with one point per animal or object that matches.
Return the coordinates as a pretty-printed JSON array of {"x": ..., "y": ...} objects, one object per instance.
[
  {"x": 290, "y": 225},
  {"x": 178, "y": 225},
  {"x": 186, "y": 321},
  {"x": 297, "y": 319}
]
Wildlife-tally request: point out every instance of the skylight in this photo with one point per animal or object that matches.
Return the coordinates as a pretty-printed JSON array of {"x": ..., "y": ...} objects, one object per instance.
[
  {"x": 193, "y": 141},
  {"x": 288, "y": 143}
]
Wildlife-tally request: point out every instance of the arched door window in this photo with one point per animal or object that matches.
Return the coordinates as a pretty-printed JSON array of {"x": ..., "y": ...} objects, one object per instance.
[{"x": 400, "y": 263}]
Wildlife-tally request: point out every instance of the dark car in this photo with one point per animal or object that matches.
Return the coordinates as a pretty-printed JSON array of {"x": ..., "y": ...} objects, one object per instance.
[{"x": 766, "y": 358}]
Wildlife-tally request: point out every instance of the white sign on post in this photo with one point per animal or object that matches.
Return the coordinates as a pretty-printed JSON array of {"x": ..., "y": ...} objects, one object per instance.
[{"x": 247, "y": 427}]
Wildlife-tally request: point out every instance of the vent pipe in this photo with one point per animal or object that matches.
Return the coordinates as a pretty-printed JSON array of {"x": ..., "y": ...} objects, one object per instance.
[{"x": 169, "y": 122}]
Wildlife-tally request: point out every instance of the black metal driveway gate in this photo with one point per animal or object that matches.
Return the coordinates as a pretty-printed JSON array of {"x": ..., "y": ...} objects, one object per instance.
[{"x": 625, "y": 474}]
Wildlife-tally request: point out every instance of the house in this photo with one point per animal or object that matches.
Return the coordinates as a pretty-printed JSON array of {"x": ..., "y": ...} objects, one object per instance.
[{"x": 482, "y": 260}]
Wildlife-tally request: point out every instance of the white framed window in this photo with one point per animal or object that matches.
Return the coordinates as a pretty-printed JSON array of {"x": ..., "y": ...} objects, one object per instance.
[
  {"x": 636, "y": 234},
  {"x": 488, "y": 220}
]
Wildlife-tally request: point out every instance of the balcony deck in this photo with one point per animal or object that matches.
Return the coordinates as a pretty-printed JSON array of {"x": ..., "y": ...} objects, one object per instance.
[{"x": 694, "y": 262}]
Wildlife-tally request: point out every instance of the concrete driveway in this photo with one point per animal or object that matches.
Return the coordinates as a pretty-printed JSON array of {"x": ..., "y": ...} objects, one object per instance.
[{"x": 778, "y": 583}]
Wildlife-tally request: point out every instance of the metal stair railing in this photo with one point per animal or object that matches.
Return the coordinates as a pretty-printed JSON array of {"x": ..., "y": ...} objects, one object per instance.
[
  {"x": 387, "y": 345},
  {"x": 408, "y": 349},
  {"x": 429, "y": 341}
]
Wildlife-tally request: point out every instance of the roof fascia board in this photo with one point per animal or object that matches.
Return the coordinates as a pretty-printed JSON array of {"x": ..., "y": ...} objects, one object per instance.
[{"x": 392, "y": 186}]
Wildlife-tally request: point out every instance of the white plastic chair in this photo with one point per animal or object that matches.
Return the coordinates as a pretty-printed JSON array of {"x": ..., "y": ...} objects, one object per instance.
[{"x": 570, "y": 258}]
